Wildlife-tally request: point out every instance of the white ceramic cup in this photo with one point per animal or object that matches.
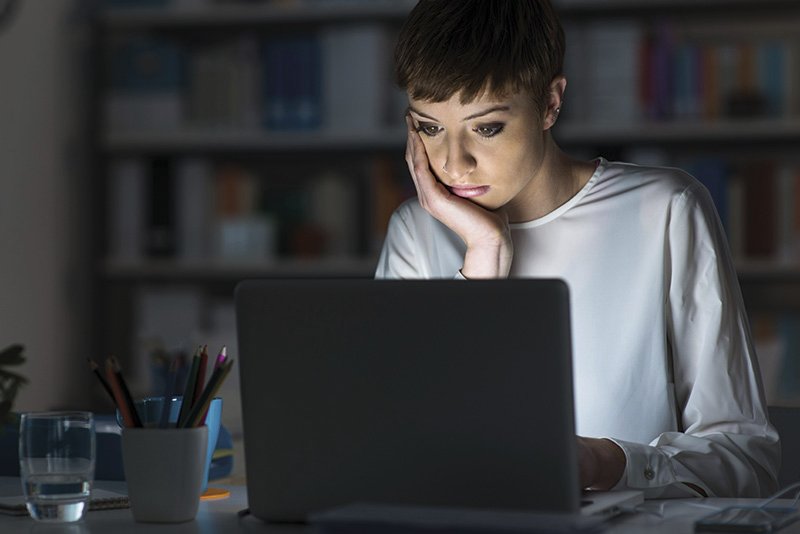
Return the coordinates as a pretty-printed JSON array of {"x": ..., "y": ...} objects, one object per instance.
[{"x": 164, "y": 471}]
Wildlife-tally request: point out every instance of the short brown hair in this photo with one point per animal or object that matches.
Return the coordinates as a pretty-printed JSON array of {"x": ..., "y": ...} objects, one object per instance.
[{"x": 468, "y": 46}]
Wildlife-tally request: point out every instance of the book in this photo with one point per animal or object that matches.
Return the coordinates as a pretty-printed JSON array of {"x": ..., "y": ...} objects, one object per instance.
[
  {"x": 126, "y": 208},
  {"x": 292, "y": 86},
  {"x": 160, "y": 227},
  {"x": 195, "y": 205},
  {"x": 356, "y": 92},
  {"x": 100, "y": 500},
  {"x": 145, "y": 77}
]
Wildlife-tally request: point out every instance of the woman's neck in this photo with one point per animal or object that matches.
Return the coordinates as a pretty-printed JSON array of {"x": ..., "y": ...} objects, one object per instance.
[{"x": 558, "y": 179}]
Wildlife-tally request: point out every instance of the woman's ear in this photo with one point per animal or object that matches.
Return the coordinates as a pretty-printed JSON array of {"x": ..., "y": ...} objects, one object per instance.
[{"x": 555, "y": 99}]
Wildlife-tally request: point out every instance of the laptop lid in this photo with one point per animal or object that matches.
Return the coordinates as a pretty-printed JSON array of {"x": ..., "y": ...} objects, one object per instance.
[{"x": 429, "y": 392}]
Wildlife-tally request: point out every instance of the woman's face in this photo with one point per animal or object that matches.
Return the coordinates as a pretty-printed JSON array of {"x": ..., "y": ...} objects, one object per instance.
[{"x": 489, "y": 151}]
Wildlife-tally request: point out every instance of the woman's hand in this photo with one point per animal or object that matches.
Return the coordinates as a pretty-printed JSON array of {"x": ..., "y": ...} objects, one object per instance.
[
  {"x": 601, "y": 463},
  {"x": 486, "y": 233}
]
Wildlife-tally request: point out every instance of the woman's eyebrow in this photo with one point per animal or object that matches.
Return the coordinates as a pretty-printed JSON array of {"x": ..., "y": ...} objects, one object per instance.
[
  {"x": 421, "y": 114},
  {"x": 500, "y": 107}
]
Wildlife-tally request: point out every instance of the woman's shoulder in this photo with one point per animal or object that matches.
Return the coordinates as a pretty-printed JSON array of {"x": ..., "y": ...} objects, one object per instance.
[
  {"x": 671, "y": 178},
  {"x": 658, "y": 187},
  {"x": 652, "y": 181}
]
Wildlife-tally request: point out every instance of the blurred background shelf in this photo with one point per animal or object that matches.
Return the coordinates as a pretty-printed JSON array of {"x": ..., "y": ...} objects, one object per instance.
[
  {"x": 682, "y": 132},
  {"x": 253, "y": 15},
  {"x": 221, "y": 140},
  {"x": 239, "y": 140},
  {"x": 226, "y": 270}
]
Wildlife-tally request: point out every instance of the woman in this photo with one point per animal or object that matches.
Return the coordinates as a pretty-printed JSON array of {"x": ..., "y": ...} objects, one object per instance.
[{"x": 667, "y": 387}]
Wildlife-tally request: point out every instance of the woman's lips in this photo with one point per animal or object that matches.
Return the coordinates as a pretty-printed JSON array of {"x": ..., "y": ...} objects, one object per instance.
[{"x": 469, "y": 191}]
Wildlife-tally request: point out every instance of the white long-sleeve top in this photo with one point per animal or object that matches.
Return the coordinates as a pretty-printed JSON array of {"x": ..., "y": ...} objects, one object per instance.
[{"x": 663, "y": 360}]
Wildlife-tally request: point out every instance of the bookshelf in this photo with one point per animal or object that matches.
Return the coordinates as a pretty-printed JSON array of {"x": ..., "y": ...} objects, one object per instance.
[
  {"x": 319, "y": 185},
  {"x": 357, "y": 158},
  {"x": 710, "y": 87}
]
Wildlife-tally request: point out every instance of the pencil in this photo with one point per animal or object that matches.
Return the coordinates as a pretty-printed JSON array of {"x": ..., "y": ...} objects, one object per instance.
[
  {"x": 96, "y": 370},
  {"x": 201, "y": 375},
  {"x": 126, "y": 394},
  {"x": 188, "y": 390},
  {"x": 119, "y": 398},
  {"x": 214, "y": 383},
  {"x": 223, "y": 353}
]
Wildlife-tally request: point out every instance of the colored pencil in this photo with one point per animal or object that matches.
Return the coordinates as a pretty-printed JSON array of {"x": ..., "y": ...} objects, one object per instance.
[
  {"x": 214, "y": 383},
  {"x": 223, "y": 353},
  {"x": 126, "y": 394},
  {"x": 119, "y": 398},
  {"x": 96, "y": 370},
  {"x": 188, "y": 391},
  {"x": 201, "y": 375}
]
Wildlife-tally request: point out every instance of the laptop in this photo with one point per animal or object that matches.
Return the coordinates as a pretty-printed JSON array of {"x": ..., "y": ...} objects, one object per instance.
[{"x": 439, "y": 393}]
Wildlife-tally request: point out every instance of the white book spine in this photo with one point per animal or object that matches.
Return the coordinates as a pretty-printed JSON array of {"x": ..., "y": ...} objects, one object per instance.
[{"x": 126, "y": 208}]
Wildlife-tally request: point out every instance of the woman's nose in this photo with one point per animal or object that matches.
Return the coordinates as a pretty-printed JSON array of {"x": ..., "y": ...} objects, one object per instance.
[{"x": 459, "y": 162}]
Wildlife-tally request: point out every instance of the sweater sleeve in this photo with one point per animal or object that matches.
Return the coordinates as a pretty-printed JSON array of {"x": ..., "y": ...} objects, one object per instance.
[
  {"x": 398, "y": 254},
  {"x": 726, "y": 445},
  {"x": 419, "y": 247}
]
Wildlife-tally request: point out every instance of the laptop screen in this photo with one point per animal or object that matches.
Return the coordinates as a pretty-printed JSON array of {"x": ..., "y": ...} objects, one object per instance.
[{"x": 435, "y": 392}]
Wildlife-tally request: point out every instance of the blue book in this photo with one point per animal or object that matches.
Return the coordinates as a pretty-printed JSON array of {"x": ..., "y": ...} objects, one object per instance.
[
  {"x": 292, "y": 83},
  {"x": 772, "y": 76}
]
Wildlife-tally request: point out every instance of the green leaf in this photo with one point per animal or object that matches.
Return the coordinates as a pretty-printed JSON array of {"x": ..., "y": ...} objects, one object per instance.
[
  {"x": 12, "y": 376},
  {"x": 12, "y": 355}
]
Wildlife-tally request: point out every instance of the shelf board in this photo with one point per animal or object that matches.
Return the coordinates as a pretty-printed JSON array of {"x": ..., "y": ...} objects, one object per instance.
[
  {"x": 261, "y": 14},
  {"x": 566, "y": 133},
  {"x": 677, "y": 132},
  {"x": 219, "y": 270},
  {"x": 311, "y": 12},
  {"x": 568, "y": 8},
  {"x": 768, "y": 270},
  {"x": 221, "y": 140}
]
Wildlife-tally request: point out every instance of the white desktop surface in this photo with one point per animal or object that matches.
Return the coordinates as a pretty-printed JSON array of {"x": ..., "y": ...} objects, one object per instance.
[{"x": 676, "y": 517}]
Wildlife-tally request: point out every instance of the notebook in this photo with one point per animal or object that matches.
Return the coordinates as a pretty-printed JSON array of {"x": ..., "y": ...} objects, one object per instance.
[{"x": 421, "y": 393}]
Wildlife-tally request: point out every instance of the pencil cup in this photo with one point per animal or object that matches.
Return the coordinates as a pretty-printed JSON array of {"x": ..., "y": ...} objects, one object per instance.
[
  {"x": 164, "y": 472},
  {"x": 153, "y": 413}
]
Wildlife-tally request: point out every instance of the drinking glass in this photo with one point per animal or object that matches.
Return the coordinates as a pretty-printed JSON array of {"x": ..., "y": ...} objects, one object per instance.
[{"x": 56, "y": 457}]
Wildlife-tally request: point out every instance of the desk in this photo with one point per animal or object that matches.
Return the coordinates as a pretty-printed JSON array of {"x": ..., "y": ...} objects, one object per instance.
[{"x": 676, "y": 517}]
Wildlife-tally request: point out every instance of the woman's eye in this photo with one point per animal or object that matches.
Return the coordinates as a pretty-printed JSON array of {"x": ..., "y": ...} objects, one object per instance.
[
  {"x": 489, "y": 130},
  {"x": 429, "y": 129}
]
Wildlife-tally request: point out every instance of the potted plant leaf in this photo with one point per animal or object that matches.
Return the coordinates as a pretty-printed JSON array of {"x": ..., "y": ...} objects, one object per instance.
[{"x": 10, "y": 382}]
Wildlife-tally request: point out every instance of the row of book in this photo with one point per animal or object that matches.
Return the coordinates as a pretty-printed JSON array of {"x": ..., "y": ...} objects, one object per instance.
[
  {"x": 337, "y": 79},
  {"x": 626, "y": 70},
  {"x": 759, "y": 204},
  {"x": 192, "y": 209},
  {"x": 777, "y": 343}
]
